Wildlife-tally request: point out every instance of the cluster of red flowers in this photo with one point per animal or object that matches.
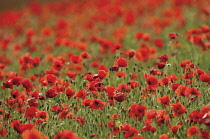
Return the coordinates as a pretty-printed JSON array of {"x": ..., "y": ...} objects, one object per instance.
[
  {"x": 78, "y": 62},
  {"x": 199, "y": 36}
]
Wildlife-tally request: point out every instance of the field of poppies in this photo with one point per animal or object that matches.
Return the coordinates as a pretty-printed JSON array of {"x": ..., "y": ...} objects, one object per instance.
[{"x": 105, "y": 69}]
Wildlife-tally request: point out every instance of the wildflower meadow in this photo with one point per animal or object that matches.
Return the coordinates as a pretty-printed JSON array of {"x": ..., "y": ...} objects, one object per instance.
[{"x": 105, "y": 69}]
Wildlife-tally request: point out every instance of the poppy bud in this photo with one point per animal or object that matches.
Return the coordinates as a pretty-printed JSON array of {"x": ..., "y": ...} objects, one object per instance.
[
  {"x": 119, "y": 97},
  {"x": 161, "y": 65}
]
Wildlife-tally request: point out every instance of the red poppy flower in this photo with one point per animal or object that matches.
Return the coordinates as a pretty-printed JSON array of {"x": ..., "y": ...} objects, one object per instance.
[
  {"x": 187, "y": 64},
  {"x": 163, "y": 58},
  {"x": 19, "y": 127},
  {"x": 123, "y": 87},
  {"x": 187, "y": 75},
  {"x": 175, "y": 128},
  {"x": 205, "y": 78},
  {"x": 41, "y": 96},
  {"x": 154, "y": 71},
  {"x": 57, "y": 65},
  {"x": 75, "y": 59},
  {"x": 26, "y": 61},
  {"x": 129, "y": 18},
  {"x": 71, "y": 74},
  {"x": 95, "y": 64},
  {"x": 175, "y": 86},
  {"x": 130, "y": 132},
  {"x": 51, "y": 71},
  {"x": 27, "y": 84},
  {"x": 134, "y": 84},
  {"x": 70, "y": 92},
  {"x": 51, "y": 79},
  {"x": 172, "y": 77},
  {"x": 67, "y": 134},
  {"x": 86, "y": 102},
  {"x": 78, "y": 68},
  {"x": 183, "y": 91},
  {"x": 140, "y": 110},
  {"x": 1, "y": 75},
  {"x": 35, "y": 61},
  {"x": 110, "y": 91},
  {"x": 200, "y": 72},
  {"x": 163, "y": 136},
  {"x": 129, "y": 53},
  {"x": 162, "y": 117},
  {"x": 205, "y": 109},
  {"x": 115, "y": 116},
  {"x": 61, "y": 58},
  {"x": 85, "y": 55},
  {"x": 205, "y": 28},
  {"x": 137, "y": 111},
  {"x": 43, "y": 115},
  {"x": 7, "y": 84},
  {"x": 102, "y": 74},
  {"x": 206, "y": 115},
  {"x": 65, "y": 114},
  {"x": 159, "y": 43},
  {"x": 146, "y": 37},
  {"x": 198, "y": 40},
  {"x": 103, "y": 67},
  {"x": 81, "y": 94},
  {"x": 96, "y": 86},
  {"x": 61, "y": 24},
  {"x": 89, "y": 76},
  {"x": 121, "y": 62},
  {"x": 165, "y": 100},
  {"x": 3, "y": 131},
  {"x": 32, "y": 102},
  {"x": 32, "y": 77},
  {"x": 178, "y": 108},
  {"x": 145, "y": 53},
  {"x": 56, "y": 109},
  {"x": 80, "y": 120},
  {"x": 193, "y": 130},
  {"x": 30, "y": 112},
  {"x": 151, "y": 113},
  {"x": 120, "y": 74},
  {"x": 16, "y": 81},
  {"x": 134, "y": 76},
  {"x": 114, "y": 127},
  {"x": 148, "y": 127},
  {"x": 15, "y": 93},
  {"x": 29, "y": 32},
  {"x": 164, "y": 81},
  {"x": 195, "y": 116},
  {"x": 33, "y": 134},
  {"x": 138, "y": 35},
  {"x": 152, "y": 81},
  {"x": 111, "y": 124},
  {"x": 51, "y": 93},
  {"x": 138, "y": 137},
  {"x": 116, "y": 47},
  {"x": 204, "y": 134},
  {"x": 39, "y": 121},
  {"x": 97, "y": 104},
  {"x": 46, "y": 31},
  {"x": 195, "y": 92},
  {"x": 173, "y": 36}
]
